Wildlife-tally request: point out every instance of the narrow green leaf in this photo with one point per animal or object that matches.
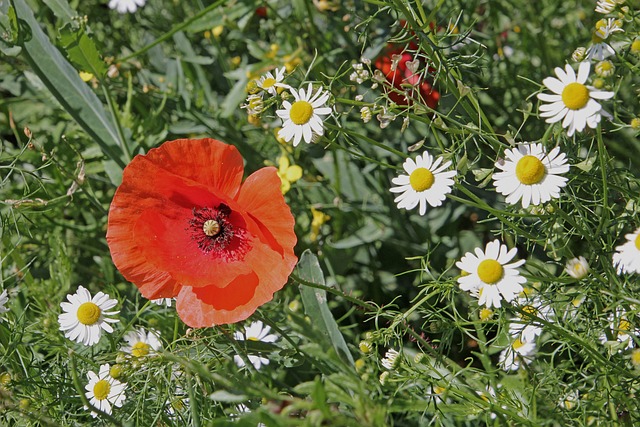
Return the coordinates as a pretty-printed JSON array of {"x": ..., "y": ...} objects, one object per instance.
[
  {"x": 64, "y": 83},
  {"x": 315, "y": 305}
]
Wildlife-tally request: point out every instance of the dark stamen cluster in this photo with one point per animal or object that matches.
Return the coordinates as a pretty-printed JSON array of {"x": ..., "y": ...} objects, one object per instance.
[{"x": 230, "y": 241}]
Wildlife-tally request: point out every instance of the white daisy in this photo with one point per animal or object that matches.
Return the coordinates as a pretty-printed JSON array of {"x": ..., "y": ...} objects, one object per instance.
[
  {"x": 141, "y": 343},
  {"x": 84, "y": 317},
  {"x": 488, "y": 276},
  {"x": 3, "y": 302},
  {"x": 518, "y": 352},
  {"x": 600, "y": 49},
  {"x": 257, "y": 331},
  {"x": 622, "y": 329},
  {"x": 627, "y": 257},
  {"x": 391, "y": 360},
  {"x": 530, "y": 175},
  {"x": 607, "y": 6},
  {"x": 577, "y": 268},
  {"x": 570, "y": 400},
  {"x": 527, "y": 328},
  {"x": 301, "y": 120},
  {"x": 104, "y": 391},
  {"x": 426, "y": 182},
  {"x": 124, "y": 6},
  {"x": 270, "y": 83},
  {"x": 572, "y": 100}
]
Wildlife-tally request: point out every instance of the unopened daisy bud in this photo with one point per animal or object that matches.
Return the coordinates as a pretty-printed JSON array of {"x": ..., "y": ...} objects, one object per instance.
[
  {"x": 486, "y": 314},
  {"x": 294, "y": 305},
  {"x": 418, "y": 358},
  {"x": 5, "y": 378},
  {"x": 635, "y": 123},
  {"x": 605, "y": 68},
  {"x": 598, "y": 83},
  {"x": 116, "y": 371},
  {"x": 24, "y": 404},
  {"x": 365, "y": 346},
  {"x": 217, "y": 31},
  {"x": 383, "y": 377},
  {"x": 252, "y": 87},
  {"x": 635, "y": 358},
  {"x": 579, "y": 54},
  {"x": 577, "y": 268},
  {"x": 635, "y": 47},
  {"x": 365, "y": 114},
  {"x": 359, "y": 364}
]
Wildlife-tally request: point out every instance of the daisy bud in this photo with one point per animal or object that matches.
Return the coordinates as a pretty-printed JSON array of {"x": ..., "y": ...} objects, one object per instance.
[
  {"x": 635, "y": 47},
  {"x": 635, "y": 123},
  {"x": 635, "y": 358},
  {"x": 577, "y": 268},
  {"x": 605, "y": 68},
  {"x": 383, "y": 377},
  {"x": 579, "y": 54},
  {"x": 365, "y": 346},
  {"x": 365, "y": 114}
]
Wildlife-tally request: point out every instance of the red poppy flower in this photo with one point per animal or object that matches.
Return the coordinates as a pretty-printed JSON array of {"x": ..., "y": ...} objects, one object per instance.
[
  {"x": 402, "y": 76},
  {"x": 183, "y": 224}
]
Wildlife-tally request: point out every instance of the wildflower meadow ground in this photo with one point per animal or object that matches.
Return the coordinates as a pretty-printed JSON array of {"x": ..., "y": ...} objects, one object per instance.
[{"x": 319, "y": 213}]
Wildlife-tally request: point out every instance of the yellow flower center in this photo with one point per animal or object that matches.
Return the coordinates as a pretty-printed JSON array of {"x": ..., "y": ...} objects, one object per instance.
[
  {"x": 101, "y": 389},
  {"x": 88, "y": 313},
  {"x": 637, "y": 242},
  {"x": 268, "y": 83},
  {"x": 490, "y": 271},
  {"x": 253, "y": 339},
  {"x": 211, "y": 227},
  {"x": 485, "y": 314},
  {"x": 635, "y": 46},
  {"x": 635, "y": 357},
  {"x": 595, "y": 38},
  {"x": 575, "y": 95},
  {"x": 530, "y": 170},
  {"x": 530, "y": 310},
  {"x": 517, "y": 344},
  {"x": 140, "y": 349},
  {"x": 624, "y": 325},
  {"x": 421, "y": 179},
  {"x": 301, "y": 112}
]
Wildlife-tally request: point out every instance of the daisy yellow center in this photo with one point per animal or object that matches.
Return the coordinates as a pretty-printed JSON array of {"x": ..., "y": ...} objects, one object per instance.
[
  {"x": 101, "y": 389},
  {"x": 268, "y": 83},
  {"x": 301, "y": 112},
  {"x": 637, "y": 242},
  {"x": 575, "y": 95},
  {"x": 595, "y": 38},
  {"x": 140, "y": 349},
  {"x": 88, "y": 313},
  {"x": 253, "y": 339},
  {"x": 490, "y": 271},
  {"x": 624, "y": 325},
  {"x": 530, "y": 310},
  {"x": 421, "y": 179},
  {"x": 530, "y": 170},
  {"x": 211, "y": 227},
  {"x": 517, "y": 344}
]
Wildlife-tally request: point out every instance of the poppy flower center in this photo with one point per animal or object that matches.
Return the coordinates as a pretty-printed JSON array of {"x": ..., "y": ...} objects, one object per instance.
[
  {"x": 88, "y": 313},
  {"x": 530, "y": 170},
  {"x": 268, "y": 83},
  {"x": 101, "y": 389},
  {"x": 140, "y": 349},
  {"x": 637, "y": 242},
  {"x": 216, "y": 233},
  {"x": 575, "y": 95},
  {"x": 421, "y": 179},
  {"x": 301, "y": 112},
  {"x": 490, "y": 271}
]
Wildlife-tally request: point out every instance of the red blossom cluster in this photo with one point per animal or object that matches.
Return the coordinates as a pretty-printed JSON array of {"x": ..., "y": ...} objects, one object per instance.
[{"x": 408, "y": 72}]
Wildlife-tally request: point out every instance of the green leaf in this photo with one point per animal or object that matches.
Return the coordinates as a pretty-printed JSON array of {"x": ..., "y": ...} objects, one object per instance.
[
  {"x": 315, "y": 305},
  {"x": 64, "y": 83},
  {"x": 81, "y": 50},
  {"x": 62, "y": 10}
]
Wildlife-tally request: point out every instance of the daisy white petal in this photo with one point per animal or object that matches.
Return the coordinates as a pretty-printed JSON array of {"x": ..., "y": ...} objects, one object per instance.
[
  {"x": 84, "y": 318},
  {"x": 627, "y": 256},
  {"x": 576, "y": 99},
  {"x": 530, "y": 176},
  {"x": 427, "y": 182},
  {"x": 488, "y": 279}
]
